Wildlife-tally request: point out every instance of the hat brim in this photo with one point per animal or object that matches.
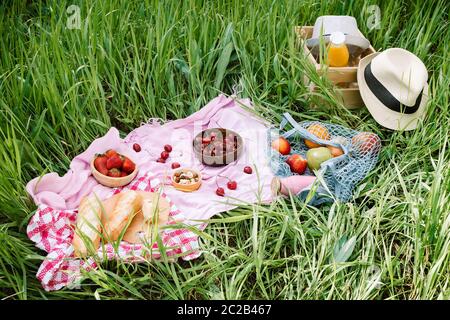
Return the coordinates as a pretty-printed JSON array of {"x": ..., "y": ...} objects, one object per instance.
[
  {"x": 349, "y": 39},
  {"x": 382, "y": 114}
]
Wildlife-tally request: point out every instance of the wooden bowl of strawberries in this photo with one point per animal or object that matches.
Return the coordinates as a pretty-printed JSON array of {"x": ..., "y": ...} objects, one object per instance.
[
  {"x": 113, "y": 169},
  {"x": 217, "y": 146}
]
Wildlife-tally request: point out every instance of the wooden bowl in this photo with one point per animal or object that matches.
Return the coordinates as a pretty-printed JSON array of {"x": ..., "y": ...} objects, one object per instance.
[
  {"x": 222, "y": 159},
  {"x": 111, "y": 181},
  {"x": 186, "y": 187}
]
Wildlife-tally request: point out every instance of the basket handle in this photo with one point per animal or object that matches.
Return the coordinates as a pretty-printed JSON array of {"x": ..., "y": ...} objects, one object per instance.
[{"x": 287, "y": 118}]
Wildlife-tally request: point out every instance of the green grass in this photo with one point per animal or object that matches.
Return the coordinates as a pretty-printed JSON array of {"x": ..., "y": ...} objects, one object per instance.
[{"x": 61, "y": 88}]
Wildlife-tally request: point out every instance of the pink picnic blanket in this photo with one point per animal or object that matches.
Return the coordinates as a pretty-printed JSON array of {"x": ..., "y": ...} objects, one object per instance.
[
  {"x": 58, "y": 197},
  {"x": 66, "y": 192}
]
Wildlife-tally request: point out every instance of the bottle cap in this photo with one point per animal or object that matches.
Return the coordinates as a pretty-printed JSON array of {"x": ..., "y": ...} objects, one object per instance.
[{"x": 337, "y": 38}]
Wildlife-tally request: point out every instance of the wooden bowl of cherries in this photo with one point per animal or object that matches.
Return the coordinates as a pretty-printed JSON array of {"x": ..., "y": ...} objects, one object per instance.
[{"x": 217, "y": 146}]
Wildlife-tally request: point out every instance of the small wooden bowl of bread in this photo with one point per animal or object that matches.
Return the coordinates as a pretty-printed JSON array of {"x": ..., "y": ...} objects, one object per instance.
[
  {"x": 186, "y": 179},
  {"x": 111, "y": 172}
]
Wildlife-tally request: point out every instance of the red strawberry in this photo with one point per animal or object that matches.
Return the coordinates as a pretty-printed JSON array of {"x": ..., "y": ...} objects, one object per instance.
[
  {"x": 168, "y": 148},
  {"x": 100, "y": 164},
  {"x": 206, "y": 140},
  {"x": 115, "y": 173},
  {"x": 220, "y": 192},
  {"x": 232, "y": 185},
  {"x": 164, "y": 155},
  {"x": 160, "y": 160},
  {"x": 248, "y": 170},
  {"x": 128, "y": 165},
  {"x": 111, "y": 153},
  {"x": 114, "y": 162},
  {"x": 123, "y": 174},
  {"x": 175, "y": 165},
  {"x": 136, "y": 147}
]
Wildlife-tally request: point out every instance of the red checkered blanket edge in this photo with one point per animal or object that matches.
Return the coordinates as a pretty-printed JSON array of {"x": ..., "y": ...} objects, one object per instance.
[{"x": 52, "y": 231}]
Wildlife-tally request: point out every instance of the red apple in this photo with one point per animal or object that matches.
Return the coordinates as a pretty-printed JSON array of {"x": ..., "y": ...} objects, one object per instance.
[
  {"x": 282, "y": 146},
  {"x": 297, "y": 163},
  {"x": 366, "y": 143},
  {"x": 291, "y": 158}
]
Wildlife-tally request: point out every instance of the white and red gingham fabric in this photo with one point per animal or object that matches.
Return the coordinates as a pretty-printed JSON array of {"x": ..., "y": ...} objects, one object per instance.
[{"x": 52, "y": 231}]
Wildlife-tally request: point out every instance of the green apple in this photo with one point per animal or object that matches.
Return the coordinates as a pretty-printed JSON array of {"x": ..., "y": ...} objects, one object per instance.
[{"x": 316, "y": 156}]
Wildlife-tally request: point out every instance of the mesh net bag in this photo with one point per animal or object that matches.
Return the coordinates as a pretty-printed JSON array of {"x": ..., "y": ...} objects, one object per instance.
[{"x": 342, "y": 173}]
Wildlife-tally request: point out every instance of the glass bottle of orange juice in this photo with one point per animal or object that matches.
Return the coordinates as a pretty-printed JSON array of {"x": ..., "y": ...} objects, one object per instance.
[{"x": 337, "y": 50}]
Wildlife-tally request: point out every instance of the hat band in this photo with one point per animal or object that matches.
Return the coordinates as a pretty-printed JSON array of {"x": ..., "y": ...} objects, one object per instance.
[
  {"x": 385, "y": 96},
  {"x": 329, "y": 34}
]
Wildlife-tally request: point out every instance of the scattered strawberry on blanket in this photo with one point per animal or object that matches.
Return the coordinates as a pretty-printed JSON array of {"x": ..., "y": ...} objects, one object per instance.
[
  {"x": 220, "y": 192},
  {"x": 165, "y": 154},
  {"x": 232, "y": 185},
  {"x": 175, "y": 165},
  {"x": 137, "y": 147}
]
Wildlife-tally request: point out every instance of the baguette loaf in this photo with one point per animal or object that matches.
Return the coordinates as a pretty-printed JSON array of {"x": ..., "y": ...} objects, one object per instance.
[
  {"x": 86, "y": 238},
  {"x": 154, "y": 213},
  {"x": 108, "y": 208},
  {"x": 155, "y": 205},
  {"x": 127, "y": 206}
]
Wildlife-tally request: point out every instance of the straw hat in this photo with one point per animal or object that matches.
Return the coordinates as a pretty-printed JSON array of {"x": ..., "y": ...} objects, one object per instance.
[
  {"x": 393, "y": 85},
  {"x": 326, "y": 25}
]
